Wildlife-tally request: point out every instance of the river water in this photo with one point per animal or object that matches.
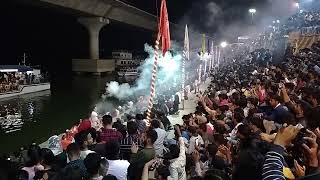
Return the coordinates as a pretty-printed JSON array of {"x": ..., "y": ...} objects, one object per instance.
[{"x": 41, "y": 115}]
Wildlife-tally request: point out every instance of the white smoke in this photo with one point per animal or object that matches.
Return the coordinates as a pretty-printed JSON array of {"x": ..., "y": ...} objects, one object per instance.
[
  {"x": 168, "y": 76},
  {"x": 214, "y": 11}
]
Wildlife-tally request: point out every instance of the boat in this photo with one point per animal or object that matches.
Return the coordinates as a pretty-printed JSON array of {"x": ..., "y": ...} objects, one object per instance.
[
  {"x": 127, "y": 72},
  {"x": 126, "y": 65}
]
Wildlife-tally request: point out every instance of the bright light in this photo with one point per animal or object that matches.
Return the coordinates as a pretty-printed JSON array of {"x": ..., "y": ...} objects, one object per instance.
[
  {"x": 9, "y": 70},
  {"x": 278, "y": 21},
  {"x": 273, "y": 22},
  {"x": 297, "y": 5},
  {"x": 224, "y": 44},
  {"x": 206, "y": 56},
  {"x": 169, "y": 63},
  {"x": 252, "y": 11}
]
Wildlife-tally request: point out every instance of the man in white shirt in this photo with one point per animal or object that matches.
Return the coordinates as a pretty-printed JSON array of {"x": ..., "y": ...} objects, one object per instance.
[
  {"x": 195, "y": 140},
  {"x": 162, "y": 135},
  {"x": 117, "y": 167},
  {"x": 177, "y": 165}
]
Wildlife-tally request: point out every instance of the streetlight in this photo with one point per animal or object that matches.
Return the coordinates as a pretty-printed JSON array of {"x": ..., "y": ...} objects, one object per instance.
[
  {"x": 224, "y": 44},
  {"x": 252, "y": 11}
]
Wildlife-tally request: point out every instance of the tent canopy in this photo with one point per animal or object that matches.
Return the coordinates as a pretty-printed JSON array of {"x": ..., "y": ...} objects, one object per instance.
[{"x": 15, "y": 68}]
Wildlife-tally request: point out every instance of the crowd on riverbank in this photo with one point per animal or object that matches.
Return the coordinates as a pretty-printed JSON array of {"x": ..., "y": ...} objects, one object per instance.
[{"x": 258, "y": 120}]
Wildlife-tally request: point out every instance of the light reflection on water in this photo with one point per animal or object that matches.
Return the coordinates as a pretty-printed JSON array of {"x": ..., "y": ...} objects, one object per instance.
[{"x": 14, "y": 113}]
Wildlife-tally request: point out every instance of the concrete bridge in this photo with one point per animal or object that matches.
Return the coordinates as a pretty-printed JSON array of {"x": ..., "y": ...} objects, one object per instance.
[{"x": 95, "y": 14}]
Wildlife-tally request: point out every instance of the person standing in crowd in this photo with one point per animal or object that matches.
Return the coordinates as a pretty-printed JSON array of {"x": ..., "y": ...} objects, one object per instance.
[
  {"x": 132, "y": 138},
  {"x": 73, "y": 152},
  {"x": 161, "y": 137},
  {"x": 140, "y": 158},
  {"x": 196, "y": 140},
  {"x": 33, "y": 163},
  {"x": 117, "y": 167},
  {"x": 96, "y": 166},
  {"x": 48, "y": 162},
  {"x": 141, "y": 123},
  {"x": 177, "y": 158},
  {"x": 279, "y": 112},
  {"x": 84, "y": 139},
  {"x": 107, "y": 133},
  {"x": 196, "y": 86},
  {"x": 164, "y": 120}
]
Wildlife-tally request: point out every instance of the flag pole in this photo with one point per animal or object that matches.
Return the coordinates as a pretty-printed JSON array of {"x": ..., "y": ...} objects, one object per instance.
[
  {"x": 153, "y": 80},
  {"x": 164, "y": 37}
]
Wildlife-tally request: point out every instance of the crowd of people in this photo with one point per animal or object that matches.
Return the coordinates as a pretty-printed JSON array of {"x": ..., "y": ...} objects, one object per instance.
[
  {"x": 12, "y": 81},
  {"x": 303, "y": 19},
  {"x": 257, "y": 120}
]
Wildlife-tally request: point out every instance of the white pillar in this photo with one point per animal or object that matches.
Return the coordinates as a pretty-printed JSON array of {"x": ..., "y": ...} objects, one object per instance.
[{"x": 94, "y": 25}]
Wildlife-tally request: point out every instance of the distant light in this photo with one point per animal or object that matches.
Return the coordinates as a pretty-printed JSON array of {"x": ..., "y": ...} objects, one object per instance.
[
  {"x": 252, "y": 11},
  {"x": 224, "y": 44},
  {"x": 273, "y": 22},
  {"x": 297, "y": 5},
  {"x": 278, "y": 21},
  {"x": 301, "y": 11},
  {"x": 9, "y": 70}
]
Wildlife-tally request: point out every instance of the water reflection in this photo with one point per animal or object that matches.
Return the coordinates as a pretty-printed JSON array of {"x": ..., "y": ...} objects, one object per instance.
[{"x": 14, "y": 113}]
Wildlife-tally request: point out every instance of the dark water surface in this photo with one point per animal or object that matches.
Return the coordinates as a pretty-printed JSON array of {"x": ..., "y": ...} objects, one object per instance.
[{"x": 41, "y": 115}]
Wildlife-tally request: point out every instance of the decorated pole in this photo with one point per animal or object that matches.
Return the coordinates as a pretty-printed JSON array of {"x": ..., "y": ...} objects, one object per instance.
[
  {"x": 211, "y": 57},
  {"x": 164, "y": 37},
  {"x": 186, "y": 57},
  {"x": 204, "y": 53},
  {"x": 219, "y": 56}
]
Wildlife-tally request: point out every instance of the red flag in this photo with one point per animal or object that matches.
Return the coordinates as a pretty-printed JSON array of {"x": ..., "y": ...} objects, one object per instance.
[{"x": 164, "y": 32}]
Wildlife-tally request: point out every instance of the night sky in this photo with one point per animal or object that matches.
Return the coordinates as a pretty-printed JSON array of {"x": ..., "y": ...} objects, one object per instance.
[{"x": 52, "y": 38}]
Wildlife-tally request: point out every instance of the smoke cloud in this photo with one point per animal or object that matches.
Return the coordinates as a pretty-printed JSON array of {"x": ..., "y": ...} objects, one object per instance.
[{"x": 168, "y": 76}]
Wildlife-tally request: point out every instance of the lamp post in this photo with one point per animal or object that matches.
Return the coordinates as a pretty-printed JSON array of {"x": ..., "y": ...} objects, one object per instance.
[
  {"x": 223, "y": 45},
  {"x": 252, "y": 11}
]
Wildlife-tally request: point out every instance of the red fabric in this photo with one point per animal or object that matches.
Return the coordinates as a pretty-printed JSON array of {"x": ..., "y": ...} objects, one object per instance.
[
  {"x": 84, "y": 125},
  {"x": 262, "y": 95},
  {"x": 210, "y": 129},
  {"x": 109, "y": 134},
  {"x": 224, "y": 102},
  {"x": 164, "y": 32},
  {"x": 66, "y": 140}
]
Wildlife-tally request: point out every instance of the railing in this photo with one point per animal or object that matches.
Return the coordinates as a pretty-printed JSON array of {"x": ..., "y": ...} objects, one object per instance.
[
  {"x": 310, "y": 31},
  {"x": 21, "y": 87}
]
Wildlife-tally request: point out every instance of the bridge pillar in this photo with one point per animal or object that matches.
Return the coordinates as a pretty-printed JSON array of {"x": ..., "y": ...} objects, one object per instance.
[{"x": 94, "y": 25}]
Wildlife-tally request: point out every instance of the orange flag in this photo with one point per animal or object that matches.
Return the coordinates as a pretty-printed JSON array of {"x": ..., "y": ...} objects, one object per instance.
[{"x": 164, "y": 32}]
